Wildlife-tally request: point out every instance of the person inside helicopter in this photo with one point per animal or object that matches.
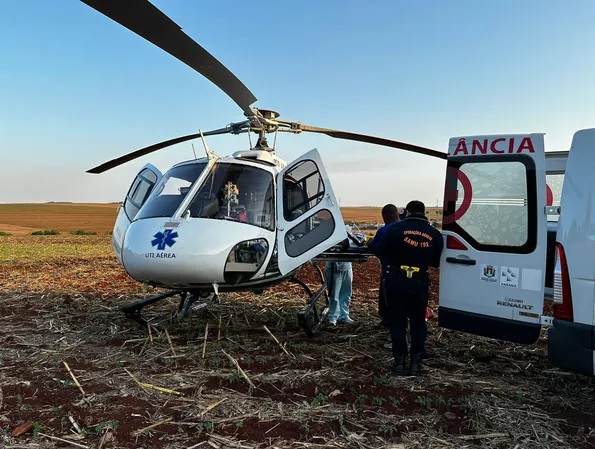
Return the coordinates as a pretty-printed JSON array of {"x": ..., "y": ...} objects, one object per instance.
[
  {"x": 238, "y": 192},
  {"x": 240, "y": 213}
]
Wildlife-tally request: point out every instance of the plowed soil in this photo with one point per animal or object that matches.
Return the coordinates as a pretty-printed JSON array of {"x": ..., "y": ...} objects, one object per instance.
[{"x": 74, "y": 372}]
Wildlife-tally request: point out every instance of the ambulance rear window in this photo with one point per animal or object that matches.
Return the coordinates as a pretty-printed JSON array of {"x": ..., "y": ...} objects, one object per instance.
[{"x": 492, "y": 203}]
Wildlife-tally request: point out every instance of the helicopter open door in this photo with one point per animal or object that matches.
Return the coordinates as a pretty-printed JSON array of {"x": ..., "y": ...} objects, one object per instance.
[
  {"x": 309, "y": 220},
  {"x": 492, "y": 270},
  {"x": 137, "y": 195}
]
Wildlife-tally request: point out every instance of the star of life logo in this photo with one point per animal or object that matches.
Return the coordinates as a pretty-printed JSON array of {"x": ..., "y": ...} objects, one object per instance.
[{"x": 165, "y": 238}]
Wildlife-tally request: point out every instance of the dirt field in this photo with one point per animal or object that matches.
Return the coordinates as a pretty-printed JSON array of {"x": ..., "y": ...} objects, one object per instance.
[
  {"x": 74, "y": 372},
  {"x": 23, "y": 219},
  {"x": 373, "y": 214}
]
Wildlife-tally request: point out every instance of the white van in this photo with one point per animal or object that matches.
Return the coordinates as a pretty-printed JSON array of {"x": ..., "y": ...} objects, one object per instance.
[{"x": 495, "y": 271}]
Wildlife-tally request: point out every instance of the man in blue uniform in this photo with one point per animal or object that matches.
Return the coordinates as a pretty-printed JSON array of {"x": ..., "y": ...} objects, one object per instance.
[
  {"x": 409, "y": 247},
  {"x": 390, "y": 215}
]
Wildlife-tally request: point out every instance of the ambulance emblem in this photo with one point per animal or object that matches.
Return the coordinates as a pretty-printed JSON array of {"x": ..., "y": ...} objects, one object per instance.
[{"x": 489, "y": 271}]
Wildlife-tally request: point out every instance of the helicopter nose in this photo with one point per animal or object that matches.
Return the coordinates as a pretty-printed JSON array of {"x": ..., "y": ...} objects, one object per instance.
[{"x": 189, "y": 252}]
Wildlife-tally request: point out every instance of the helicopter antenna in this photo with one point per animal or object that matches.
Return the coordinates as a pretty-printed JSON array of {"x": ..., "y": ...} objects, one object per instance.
[
  {"x": 275, "y": 140},
  {"x": 250, "y": 139},
  {"x": 209, "y": 153},
  {"x": 194, "y": 151}
]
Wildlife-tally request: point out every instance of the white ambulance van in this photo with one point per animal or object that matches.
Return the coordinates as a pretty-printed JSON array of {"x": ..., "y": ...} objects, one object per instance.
[{"x": 512, "y": 240}]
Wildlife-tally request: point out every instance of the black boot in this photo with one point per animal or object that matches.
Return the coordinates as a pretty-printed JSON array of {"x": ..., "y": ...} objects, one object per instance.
[
  {"x": 415, "y": 367},
  {"x": 400, "y": 368}
]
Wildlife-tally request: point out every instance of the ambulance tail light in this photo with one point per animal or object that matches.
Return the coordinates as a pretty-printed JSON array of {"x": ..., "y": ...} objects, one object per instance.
[
  {"x": 454, "y": 243},
  {"x": 562, "y": 293}
]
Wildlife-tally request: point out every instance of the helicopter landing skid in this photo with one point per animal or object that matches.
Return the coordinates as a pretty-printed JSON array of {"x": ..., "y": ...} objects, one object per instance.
[
  {"x": 187, "y": 303},
  {"x": 313, "y": 315}
]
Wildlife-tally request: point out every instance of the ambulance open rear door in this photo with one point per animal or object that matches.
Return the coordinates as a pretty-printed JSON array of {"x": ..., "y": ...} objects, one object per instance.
[{"x": 493, "y": 265}]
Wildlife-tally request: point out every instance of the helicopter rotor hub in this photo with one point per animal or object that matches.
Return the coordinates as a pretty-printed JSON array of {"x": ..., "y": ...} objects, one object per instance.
[
  {"x": 265, "y": 121},
  {"x": 268, "y": 114}
]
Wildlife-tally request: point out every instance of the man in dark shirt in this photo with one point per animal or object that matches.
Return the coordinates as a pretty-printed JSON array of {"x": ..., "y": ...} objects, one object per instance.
[
  {"x": 390, "y": 215},
  {"x": 408, "y": 248}
]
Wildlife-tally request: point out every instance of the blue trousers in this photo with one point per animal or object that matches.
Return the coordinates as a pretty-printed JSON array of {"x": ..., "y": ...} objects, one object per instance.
[{"x": 340, "y": 277}]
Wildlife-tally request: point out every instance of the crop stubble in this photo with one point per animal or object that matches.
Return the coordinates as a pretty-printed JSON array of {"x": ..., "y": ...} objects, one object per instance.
[{"x": 59, "y": 300}]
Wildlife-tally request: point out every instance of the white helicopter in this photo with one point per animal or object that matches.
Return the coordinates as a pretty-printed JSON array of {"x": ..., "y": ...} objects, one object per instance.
[{"x": 241, "y": 222}]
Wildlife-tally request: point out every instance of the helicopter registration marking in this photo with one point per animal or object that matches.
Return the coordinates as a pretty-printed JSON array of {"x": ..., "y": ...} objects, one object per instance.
[{"x": 160, "y": 255}]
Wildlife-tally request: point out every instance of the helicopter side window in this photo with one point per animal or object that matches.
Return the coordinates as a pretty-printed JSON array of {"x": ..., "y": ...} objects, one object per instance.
[
  {"x": 303, "y": 189},
  {"x": 309, "y": 233},
  {"x": 236, "y": 192},
  {"x": 138, "y": 193},
  {"x": 171, "y": 190}
]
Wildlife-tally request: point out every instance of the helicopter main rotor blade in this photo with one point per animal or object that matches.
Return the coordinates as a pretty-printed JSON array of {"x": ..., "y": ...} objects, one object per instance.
[
  {"x": 144, "y": 19},
  {"x": 151, "y": 148},
  {"x": 370, "y": 139}
]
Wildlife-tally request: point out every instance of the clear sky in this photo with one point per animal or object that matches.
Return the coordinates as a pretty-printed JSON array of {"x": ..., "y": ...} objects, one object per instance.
[{"x": 77, "y": 89}]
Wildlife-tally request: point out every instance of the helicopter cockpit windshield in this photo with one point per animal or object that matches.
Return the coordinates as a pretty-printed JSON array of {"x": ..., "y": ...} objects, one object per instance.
[
  {"x": 236, "y": 192},
  {"x": 171, "y": 190}
]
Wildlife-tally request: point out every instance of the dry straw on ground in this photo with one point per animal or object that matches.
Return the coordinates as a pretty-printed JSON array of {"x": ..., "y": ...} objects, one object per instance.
[{"x": 157, "y": 389}]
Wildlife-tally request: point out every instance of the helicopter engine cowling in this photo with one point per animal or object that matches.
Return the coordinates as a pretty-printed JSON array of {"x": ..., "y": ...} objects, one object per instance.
[{"x": 195, "y": 252}]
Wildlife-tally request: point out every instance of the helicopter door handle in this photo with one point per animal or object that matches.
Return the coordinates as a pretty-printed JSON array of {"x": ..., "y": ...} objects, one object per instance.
[{"x": 461, "y": 261}]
